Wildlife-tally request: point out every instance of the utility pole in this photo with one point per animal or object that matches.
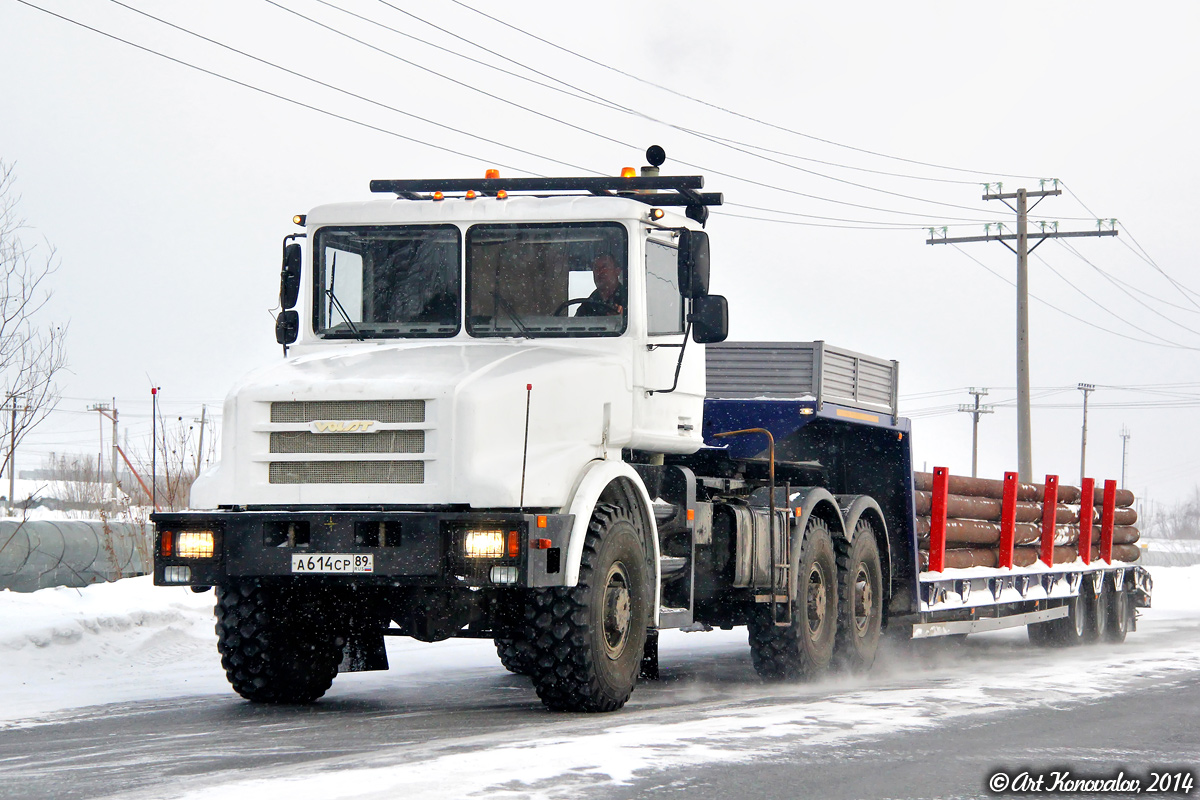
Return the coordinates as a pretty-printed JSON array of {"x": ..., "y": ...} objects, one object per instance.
[
  {"x": 153, "y": 448},
  {"x": 1086, "y": 388},
  {"x": 112, "y": 414},
  {"x": 975, "y": 411},
  {"x": 1125, "y": 436},
  {"x": 200, "y": 447},
  {"x": 103, "y": 409},
  {"x": 1022, "y": 251}
]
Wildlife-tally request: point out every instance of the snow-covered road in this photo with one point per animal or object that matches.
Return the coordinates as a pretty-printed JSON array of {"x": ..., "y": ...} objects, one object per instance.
[{"x": 117, "y": 690}]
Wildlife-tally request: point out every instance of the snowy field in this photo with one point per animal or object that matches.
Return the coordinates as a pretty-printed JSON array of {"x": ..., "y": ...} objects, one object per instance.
[{"x": 64, "y": 650}]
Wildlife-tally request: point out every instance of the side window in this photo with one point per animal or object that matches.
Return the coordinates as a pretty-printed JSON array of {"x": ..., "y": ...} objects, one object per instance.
[{"x": 664, "y": 306}]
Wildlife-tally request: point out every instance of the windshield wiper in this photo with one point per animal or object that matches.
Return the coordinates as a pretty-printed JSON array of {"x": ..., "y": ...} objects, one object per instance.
[
  {"x": 338, "y": 303},
  {"x": 499, "y": 301}
]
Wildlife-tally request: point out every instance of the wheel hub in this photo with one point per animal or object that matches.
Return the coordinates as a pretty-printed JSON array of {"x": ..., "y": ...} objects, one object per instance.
[
  {"x": 618, "y": 611},
  {"x": 815, "y": 601},
  {"x": 864, "y": 600}
]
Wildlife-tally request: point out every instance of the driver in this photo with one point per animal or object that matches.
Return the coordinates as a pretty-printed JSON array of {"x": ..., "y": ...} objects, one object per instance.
[{"x": 609, "y": 298}]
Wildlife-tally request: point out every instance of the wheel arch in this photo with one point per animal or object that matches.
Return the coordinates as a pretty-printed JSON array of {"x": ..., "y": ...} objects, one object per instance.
[
  {"x": 618, "y": 483},
  {"x": 810, "y": 502}
]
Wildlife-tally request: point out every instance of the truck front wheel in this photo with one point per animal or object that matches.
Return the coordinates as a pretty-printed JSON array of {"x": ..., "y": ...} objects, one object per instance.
[
  {"x": 589, "y": 639},
  {"x": 277, "y": 646},
  {"x": 804, "y": 648}
]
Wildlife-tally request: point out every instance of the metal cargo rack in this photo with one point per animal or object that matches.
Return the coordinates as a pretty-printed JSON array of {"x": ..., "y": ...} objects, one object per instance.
[{"x": 791, "y": 370}]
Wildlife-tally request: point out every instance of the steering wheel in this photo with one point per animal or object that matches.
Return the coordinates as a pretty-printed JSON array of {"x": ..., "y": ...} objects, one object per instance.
[{"x": 608, "y": 308}]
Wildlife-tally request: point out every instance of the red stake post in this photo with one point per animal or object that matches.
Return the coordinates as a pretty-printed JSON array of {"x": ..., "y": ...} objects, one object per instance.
[
  {"x": 1008, "y": 520},
  {"x": 1049, "y": 515},
  {"x": 1087, "y": 512},
  {"x": 937, "y": 519},
  {"x": 1106, "y": 520}
]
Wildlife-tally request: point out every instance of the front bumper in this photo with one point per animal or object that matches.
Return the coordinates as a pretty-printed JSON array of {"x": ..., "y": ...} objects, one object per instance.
[{"x": 407, "y": 548}]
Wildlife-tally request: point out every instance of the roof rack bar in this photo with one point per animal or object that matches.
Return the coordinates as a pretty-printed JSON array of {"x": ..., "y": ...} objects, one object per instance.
[{"x": 677, "y": 183}]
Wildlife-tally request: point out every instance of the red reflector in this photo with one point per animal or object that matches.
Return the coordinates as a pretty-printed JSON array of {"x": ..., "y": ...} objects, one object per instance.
[
  {"x": 541, "y": 520},
  {"x": 540, "y": 544},
  {"x": 165, "y": 546},
  {"x": 514, "y": 544}
]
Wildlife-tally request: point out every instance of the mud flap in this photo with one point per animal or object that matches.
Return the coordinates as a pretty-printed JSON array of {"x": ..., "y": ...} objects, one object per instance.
[{"x": 364, "y": 650}]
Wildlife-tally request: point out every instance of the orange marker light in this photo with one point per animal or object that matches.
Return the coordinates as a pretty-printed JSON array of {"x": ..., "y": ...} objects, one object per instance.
[
  {"x": 691, "y": 515},
  {"x": 492, "y": 174},
  {"x": 438, "y": 196},
  {"x": 165, "y": 547},
  {"x": 628, "y": 172},
  {"x": 540, "y": 544},
  {"x": 541, "y": 523},
  {"x": 470, "y": 194},
  {"x": 514, "y": 544},
  {"x": 501, "y": 194}
]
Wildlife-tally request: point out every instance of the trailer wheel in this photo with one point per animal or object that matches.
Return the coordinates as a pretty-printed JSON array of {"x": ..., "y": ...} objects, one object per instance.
[
  {"x": 1097, "y": 612},
  {"x": 860, "y": 598},
  {"x": 1064, "y": 631},
  {"x": 276, "y": 646},
  {"x": 1119, "y": 611},
  {"x": 517, "y": 655},
  {"x": 804, "y": 648},
  {"x": 589, "y": 639}
]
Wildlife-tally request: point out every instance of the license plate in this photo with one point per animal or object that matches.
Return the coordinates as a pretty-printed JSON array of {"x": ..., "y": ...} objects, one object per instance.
[{"x": 335, "y": 563}]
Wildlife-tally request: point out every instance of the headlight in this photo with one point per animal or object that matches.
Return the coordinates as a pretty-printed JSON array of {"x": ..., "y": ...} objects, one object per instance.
[
  {"x": 484, "y": 544},
  {"x": 194, "y": 544}
]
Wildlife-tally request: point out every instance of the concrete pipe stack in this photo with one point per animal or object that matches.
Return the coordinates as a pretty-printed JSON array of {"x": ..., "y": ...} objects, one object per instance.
[{"x": 973, "y": 520}]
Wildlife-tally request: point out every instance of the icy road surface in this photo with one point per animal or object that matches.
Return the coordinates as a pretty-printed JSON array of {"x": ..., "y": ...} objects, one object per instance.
[{"x": 116, "y": 690}]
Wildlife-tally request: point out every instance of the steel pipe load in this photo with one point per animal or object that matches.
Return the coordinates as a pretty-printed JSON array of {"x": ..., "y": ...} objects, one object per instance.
[
  {"x": 1031, "y": 492},
  {"x": 971, "y": 531}
]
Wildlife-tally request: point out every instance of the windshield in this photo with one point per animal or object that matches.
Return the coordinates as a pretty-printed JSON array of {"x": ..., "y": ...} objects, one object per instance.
[
  {"x": 387, "y": 281},
  {"x": 557, "y": 279}
]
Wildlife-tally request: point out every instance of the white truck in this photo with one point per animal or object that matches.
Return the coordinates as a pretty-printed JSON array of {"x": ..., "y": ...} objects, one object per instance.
[{"x": 495, "y": 418}]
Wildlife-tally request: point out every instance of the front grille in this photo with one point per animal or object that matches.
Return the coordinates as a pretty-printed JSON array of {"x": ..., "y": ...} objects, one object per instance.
[
  {"x": 381, "y": 442},
  {"x": 347, "y": 472},
  {"x": 378, "y": 410}
]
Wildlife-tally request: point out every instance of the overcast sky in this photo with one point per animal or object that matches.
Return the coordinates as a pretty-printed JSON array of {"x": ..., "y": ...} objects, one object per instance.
[{"x": 167, "y": 190}]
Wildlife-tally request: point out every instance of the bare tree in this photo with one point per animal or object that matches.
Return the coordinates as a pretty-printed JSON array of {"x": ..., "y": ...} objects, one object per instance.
[{"x": 30, "y": 356}]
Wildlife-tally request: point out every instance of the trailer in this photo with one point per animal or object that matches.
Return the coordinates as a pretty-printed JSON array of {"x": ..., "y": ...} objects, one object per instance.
[{"x": 507, "y": 410}]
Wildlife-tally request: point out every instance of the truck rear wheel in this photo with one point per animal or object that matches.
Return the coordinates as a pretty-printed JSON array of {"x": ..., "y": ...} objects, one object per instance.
[
  {"x": 276, "y": 645},
  {"x": 589, "y": 639},
  {"x": 860, "y": 598},
  {"x": 1064, "y": 631},
  {"x": 804, "y": 648},
  {"x": 1097, "y": 614}
]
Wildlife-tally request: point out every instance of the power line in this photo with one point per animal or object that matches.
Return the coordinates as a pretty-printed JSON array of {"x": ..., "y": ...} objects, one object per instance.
[
  {"x": 267, "y": 92},
  {"x": 729, "y": 111}
]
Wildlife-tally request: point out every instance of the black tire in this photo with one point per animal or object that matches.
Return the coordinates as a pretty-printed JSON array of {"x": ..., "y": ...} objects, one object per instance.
[
  {"x": 803, "y": 649},
  {"x": 1119, "y": 610},
  {"x": 1097, "y": 615},
  {"x": 1066, "y": 631},
  {"x": 589, "y": 639},
  {"x": 860, "y": 599},
  {"x": 517, "y": 655},
  {"x": 276, "y": 645}
]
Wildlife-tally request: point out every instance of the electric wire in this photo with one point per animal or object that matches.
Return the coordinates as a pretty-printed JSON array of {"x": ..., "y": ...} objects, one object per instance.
[
  {"x": 260, "y": 90},
  {"x": 339, "y": 89},
  {"x": 731, "y": 112},
  {"x": 1069, "y": 314}
]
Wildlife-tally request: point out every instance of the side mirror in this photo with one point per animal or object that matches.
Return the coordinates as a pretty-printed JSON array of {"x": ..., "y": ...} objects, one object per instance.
[
  {"x": 289, "y": 278},
  {"x": 710, "y": 319},
  {"x": 287, "y": 327},
  {"x": 693, "y": 263}
]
